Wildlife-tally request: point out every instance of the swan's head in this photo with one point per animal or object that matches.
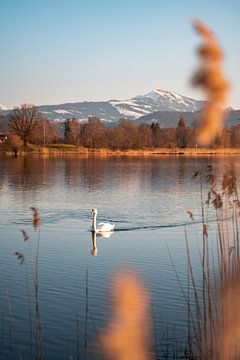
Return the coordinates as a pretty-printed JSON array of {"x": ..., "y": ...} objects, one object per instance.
[{"x": 94, "y": 211}]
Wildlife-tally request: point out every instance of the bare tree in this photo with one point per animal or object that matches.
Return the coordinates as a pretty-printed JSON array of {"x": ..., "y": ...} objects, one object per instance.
[
  {"x": 46, "y": 132},
  {"x": 3, "y": 122},
  {"x": 94, "y": 133},
  {"x": 144, "y": 136},
  {"x": 117, "y": 137},
  {"x": 235, "y": 136},
  {"x": 131, "y": 134},
  {"x": 22, "y": 121},
  {"x": 72, "y": 131}
]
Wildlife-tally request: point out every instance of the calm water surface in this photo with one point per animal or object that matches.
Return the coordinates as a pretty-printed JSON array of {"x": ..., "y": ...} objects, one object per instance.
[{"x": 147, "y": 199}]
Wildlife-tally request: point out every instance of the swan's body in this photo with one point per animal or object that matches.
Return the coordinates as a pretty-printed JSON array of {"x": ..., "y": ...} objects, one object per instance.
[{"x": 101, "y": 227}]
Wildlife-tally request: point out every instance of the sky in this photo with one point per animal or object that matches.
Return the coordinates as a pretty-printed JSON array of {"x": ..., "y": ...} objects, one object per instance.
[{"x": 58, "y": 51}]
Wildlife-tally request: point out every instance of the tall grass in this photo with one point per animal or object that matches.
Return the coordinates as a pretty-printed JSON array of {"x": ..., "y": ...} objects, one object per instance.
[
  {"x": 32, "y": 283},
  {"x": 213, "y": 318}
]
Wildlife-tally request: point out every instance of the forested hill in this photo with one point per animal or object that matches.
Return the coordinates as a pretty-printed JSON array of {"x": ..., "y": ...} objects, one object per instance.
[{"x": 168, "y": 119}]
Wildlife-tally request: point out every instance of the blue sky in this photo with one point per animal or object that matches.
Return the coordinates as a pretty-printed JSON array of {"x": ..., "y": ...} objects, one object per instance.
[{"x": 55, "y": 51}]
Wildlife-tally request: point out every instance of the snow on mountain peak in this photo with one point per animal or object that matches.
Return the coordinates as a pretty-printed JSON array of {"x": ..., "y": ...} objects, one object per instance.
[
  {"x": 4, "y": 107},
  {"x": 156, "y": 94},
  {"x": 157, "y": 100}
]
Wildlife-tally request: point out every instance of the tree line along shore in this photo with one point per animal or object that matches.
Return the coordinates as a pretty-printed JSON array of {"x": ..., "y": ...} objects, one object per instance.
[{"x": 25, "y": 130}]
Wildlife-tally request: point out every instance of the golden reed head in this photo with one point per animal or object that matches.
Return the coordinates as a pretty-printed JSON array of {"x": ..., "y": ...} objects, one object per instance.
[
  {"x": 127, "y": 336},
  {"x": 211, "y": 78}
]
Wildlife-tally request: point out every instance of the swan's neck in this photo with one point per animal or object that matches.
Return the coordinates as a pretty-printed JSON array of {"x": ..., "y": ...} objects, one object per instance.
[{"x": 94, "y": 222}]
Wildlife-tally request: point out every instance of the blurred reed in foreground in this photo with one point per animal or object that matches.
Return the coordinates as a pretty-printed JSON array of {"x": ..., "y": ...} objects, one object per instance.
[
  {"x": 229, "y": 339},
  {"x": 211, "y": 78},
  {"x": 127, "y": 336}
]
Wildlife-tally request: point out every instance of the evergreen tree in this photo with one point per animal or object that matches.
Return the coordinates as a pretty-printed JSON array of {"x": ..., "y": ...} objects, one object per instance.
[{"x": 181, "y": 133}]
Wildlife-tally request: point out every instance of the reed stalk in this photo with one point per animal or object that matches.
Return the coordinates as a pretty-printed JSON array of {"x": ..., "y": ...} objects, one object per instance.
[{"x": 208, "y": 338}]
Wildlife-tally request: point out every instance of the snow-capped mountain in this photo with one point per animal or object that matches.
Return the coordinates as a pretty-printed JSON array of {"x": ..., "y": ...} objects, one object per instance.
[
  {"x": 158, "y": 105},
  {"x": 157, "y": 100},
  {"x": 81, "y": 111},
  {"x": 113, "y": 110}
]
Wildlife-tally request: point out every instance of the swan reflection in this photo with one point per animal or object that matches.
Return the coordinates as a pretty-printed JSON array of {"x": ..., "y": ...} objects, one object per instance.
[
  {"x": 94, "y": 249},
  {"x": 105, "y": 235},
  {"x": 94, "y": 244}
]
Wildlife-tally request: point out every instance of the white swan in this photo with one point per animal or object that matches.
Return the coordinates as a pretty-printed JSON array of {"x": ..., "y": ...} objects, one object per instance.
[{"x": 101, "y": 227}]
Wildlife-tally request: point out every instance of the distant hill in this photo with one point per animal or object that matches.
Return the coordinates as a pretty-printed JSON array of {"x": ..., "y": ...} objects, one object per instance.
[
  {"x": 113, "y": 110},
  {"x": 158, "y": 105},
  {"x": 170, "y": 118}
]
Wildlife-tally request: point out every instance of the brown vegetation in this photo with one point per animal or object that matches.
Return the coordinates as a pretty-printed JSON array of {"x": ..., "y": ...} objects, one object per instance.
[
  {"x": 46, "y": 133},
  {"x": 15, "y": 143},
  {"x": 23, "y": 121},
  {"x": 214, "y": 323}
]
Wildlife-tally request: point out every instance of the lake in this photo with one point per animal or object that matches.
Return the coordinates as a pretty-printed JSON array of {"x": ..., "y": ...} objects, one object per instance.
[{"x": 147, "y": 199}]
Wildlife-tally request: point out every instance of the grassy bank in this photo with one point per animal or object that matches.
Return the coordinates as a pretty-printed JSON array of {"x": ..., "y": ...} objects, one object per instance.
[{"x": 71, "y": 150}]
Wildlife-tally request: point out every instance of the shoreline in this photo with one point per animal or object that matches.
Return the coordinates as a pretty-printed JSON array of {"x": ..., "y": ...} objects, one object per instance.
[{"x": 157, "y": 152}]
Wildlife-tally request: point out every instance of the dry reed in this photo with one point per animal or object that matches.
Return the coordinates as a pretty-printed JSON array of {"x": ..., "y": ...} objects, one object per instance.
[
  {"x": 228, "y": 343},
  {"x": 215, "y": 328},
  {"x": 36, "y": 217},
  {"x": 211, "y": 78},
  {"x": 35, "y": 279},
  {"x": 128, "y": 333}
]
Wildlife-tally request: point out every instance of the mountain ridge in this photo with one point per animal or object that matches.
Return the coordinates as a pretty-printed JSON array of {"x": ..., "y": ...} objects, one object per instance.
[
  {"x": 113, "y": 110},
  {"x": 157, "y": 105}
]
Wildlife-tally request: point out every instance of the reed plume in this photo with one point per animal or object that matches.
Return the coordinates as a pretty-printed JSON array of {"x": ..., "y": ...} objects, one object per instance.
[
  {"x": 25, "y": 235},
  {"x": 228, "y": 343},
  {"x": 36, "y": 217},
  {"x": 127, "y": 335},
  {"x": 20, "y": 257},
  {"x": 211, "y": 78}
]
